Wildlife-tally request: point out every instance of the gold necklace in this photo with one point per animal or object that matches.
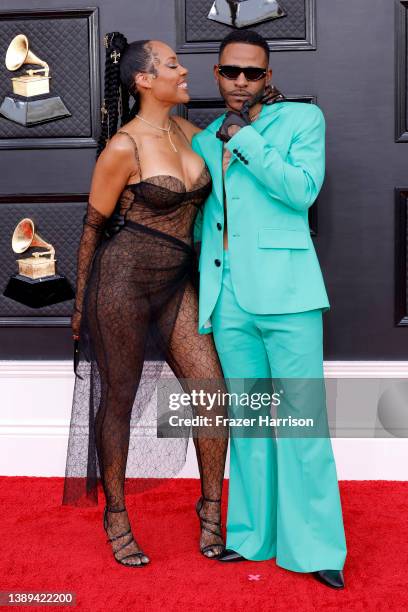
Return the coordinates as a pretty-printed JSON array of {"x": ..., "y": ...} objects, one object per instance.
[
  {"x": 255, "y": 117},
  {"x": 160, "y": 128}
]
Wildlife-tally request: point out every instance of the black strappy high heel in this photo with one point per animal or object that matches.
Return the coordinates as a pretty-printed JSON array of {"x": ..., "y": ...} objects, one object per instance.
[
  {"x": 218, "y": 524},
  {"x": 139, "y": 554}
]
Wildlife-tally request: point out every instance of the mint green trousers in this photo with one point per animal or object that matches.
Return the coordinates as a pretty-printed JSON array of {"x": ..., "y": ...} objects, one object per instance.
[{"x": 284, "y": 500}]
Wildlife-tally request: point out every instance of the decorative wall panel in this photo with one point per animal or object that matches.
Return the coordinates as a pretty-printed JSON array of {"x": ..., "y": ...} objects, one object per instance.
[
  {"x": 198, "y": 34},
  {"x": 58, "y": 220},
  {"x": 68, "y": 42},
  {"x": 401, "y": 257}
]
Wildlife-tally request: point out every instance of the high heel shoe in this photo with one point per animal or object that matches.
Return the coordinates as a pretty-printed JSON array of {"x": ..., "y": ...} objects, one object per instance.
[
  {"x": 209, "y": 547},
  {"x": 139, "y": 554}
]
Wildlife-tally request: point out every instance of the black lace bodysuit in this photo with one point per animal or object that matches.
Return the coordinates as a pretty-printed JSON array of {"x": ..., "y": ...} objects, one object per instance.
[{"x": 139, "y": 313}]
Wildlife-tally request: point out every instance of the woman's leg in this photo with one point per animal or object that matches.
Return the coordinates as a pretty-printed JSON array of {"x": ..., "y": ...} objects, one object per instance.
[
  {"x": 118, "y": 322},
  {"x": 194, "y": 360}
]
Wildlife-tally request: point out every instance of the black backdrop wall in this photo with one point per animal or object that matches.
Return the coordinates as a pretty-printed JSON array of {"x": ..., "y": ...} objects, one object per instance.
[{"x": 362, "y": 229}]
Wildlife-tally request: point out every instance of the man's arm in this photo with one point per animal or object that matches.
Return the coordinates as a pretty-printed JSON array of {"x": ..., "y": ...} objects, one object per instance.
[{"x": 296, "y": 181}]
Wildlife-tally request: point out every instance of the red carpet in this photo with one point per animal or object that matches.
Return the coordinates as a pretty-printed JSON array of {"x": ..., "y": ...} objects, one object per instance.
[{"x": 49, "y": 547}]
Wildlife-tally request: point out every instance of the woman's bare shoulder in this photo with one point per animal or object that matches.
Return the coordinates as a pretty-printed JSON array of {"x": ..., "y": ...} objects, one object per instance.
[
  {"x": 119, "y": 157},
  {"x": 120, "y": 147},
  {"x": 119, "y": 144},
  {"x": 188, "y": 128}
]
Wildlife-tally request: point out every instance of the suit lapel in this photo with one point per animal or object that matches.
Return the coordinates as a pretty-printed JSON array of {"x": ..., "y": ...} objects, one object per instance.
[
  {"x": 213, "y": 146},
  {"x": 268, "y": 114}
]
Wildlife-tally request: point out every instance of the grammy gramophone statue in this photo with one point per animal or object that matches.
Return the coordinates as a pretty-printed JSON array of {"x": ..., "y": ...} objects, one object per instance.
[
  {"x": 242, "y": 13},
  {"x": 31, "y": 102},
  {"x": 37, "y": 283}
]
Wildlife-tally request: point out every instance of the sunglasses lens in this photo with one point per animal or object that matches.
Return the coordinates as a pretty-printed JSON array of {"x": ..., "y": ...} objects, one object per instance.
[
  {"x": 233, "y": 72},
  {"x": 229, "y": 72},
  {"x": 254, "y": 74}
]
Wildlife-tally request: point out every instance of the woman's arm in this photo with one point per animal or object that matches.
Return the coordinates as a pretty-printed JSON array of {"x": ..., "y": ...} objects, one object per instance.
[
  {"x": 112, "y": 170},
  {"x": 115, "y": 165}
]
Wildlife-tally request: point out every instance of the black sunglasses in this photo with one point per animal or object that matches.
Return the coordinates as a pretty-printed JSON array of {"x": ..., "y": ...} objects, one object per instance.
[{"x": 251, "y": 73}]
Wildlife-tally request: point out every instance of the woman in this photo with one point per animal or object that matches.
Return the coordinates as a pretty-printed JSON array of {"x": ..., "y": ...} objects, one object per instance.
[{"x": 136, "y": 295}]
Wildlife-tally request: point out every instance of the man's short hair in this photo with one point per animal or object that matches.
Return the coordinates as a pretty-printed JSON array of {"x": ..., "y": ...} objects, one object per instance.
[{"x": 249, "y": 37}]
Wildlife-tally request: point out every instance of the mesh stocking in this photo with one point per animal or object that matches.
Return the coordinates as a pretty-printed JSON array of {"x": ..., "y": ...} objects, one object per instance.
[{"x": 195, "y": 362}]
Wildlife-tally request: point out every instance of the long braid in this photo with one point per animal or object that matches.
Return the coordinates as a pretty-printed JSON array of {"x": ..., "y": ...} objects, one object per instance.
[
  {"x": 115, "y": 44},
  {"x": 122, "y": 62}
]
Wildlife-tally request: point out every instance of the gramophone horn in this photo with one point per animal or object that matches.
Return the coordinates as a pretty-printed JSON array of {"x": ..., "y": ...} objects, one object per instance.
[
  {"x": 18, "y": 54},
  {"x": 24, "y": 236}
]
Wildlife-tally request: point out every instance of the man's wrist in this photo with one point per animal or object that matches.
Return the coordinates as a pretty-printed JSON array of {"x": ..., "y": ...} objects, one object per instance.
[
  {"x": 232, "y": 123},
  {"x": 233, "y": 129},
  {"x": 236, "y": 138}
]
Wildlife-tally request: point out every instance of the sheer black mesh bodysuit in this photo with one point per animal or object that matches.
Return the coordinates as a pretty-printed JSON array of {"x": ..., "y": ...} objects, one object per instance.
[{"x": 138, "y": 299}]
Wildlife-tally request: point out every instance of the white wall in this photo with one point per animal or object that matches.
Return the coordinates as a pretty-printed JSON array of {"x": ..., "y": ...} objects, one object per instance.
[{"x": 35, "y": 407}]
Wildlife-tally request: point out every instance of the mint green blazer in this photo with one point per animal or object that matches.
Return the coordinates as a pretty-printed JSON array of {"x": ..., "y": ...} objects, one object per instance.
[{"x": 275, "y": 173}]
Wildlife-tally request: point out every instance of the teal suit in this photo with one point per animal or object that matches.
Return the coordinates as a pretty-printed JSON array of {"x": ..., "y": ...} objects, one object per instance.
[
  {"x": 274, "y": 266},
  {"x": 263, "y": 300}
]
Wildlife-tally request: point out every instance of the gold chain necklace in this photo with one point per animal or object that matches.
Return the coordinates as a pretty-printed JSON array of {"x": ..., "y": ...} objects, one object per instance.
[
  {"x": 160, "y": 128},
  {"x": 255, "y": 117}
]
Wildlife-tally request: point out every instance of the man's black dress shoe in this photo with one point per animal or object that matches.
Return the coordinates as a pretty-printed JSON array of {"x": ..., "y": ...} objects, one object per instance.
[
  {"x": 231, "y": 555},
  {"x": 331, "y": 578}
]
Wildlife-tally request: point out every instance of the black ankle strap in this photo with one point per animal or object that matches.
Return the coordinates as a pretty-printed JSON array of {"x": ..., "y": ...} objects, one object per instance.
[{"x": 207, "y": 499}]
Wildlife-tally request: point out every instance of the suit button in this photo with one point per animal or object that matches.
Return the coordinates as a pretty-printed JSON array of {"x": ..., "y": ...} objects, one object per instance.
[
  {"x": 219, "y": 226},
  {"x": 217, "y": 262},
  {"x": 235, "y": 151},
  {"x": 246, "y": 162}
]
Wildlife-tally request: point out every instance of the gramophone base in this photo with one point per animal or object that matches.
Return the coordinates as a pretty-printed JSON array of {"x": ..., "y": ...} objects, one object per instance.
[
  {"x": 33, "y": 111},
  {"x": 39, "y": 292}
]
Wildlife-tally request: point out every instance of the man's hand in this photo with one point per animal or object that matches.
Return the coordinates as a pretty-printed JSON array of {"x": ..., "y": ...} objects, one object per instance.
[
  {"x": 272, "y": 95},
  {"x": 232, "y": 130},
  {"x": 233, "y": 122}
]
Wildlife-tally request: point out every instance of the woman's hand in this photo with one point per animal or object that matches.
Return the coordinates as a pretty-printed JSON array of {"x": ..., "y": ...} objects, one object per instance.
[{"x": 75, "y": 324}]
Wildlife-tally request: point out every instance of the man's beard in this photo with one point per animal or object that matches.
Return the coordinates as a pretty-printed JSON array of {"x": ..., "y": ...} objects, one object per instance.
[{"x": 238, "y": 102}]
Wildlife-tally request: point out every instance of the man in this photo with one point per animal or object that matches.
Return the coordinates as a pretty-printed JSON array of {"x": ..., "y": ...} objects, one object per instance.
[{"x": 262, "y": 296}]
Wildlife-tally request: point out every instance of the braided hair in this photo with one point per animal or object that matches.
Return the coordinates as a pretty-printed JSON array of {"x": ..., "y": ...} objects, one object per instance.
[{"x": 122, "y": 61}]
